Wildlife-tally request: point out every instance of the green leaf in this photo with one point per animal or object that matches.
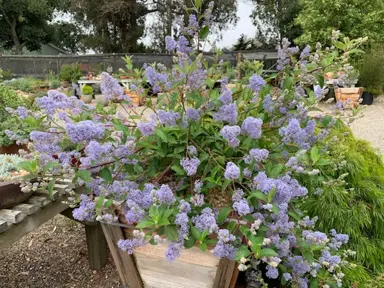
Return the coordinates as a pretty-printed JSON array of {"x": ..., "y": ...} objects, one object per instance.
[
  {"x": 108, "y": 203},
  {"x": 171, "y": 232},
  {"x": 100, "y": 203},
  {"x": 51, "y": 165},
  {"x": 106, "y": 175},
  {"x": 308, "y": 255},
  {"x": 179, "y": 150},
  {"x": 190, "y": 242},
  {"x": 145, "y": 224},
  {"x": 320, "y": 78},
  {"x": 223, "y": 214},
  {"x": 315, "y": 156},
  {"x": 259, "y": 195},
  {"x": 288, "y": 83},
  {"x": 180, "y": 171},
  {"x": 294, "y": 215},
  {"x": 276, "y": 170},
  {"x": 204, "y": 33},
  {"x": 231, "y": 226},
  {"x": 195, "y": 232},
  {"x": 203, "y": 246},
  {"x": 26, "y": 165},
  {"x": 162, "y": 135},
  {"x": 84, "y": 175},
  {"x": 339, "y": 45},
  {"x": 198, "y": 4},
  {"x": 243, "y": 251},
  {"x": 268, "y": 252},
  {"x": 123, "y": 128},
  {"x": 203, "y": 235},
  {"x": 50, "y": 188},
  {"x": 314, "y": 283},
  {"x": 326, "y": 120},
  {"x": 323, "y": 162},
  {"x": 271, "y": 195}
]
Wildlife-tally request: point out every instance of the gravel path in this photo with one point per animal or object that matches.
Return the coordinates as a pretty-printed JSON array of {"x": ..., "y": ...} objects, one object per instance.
[
  {"x": 55, "y": 255},
  {"x": 370, "y": 127}
]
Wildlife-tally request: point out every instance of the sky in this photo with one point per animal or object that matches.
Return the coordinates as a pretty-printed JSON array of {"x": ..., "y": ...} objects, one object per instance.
[{"x": 244, "y": 26}]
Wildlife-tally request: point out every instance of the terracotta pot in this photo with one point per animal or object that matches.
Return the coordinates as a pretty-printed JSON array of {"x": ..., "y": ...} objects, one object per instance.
[
  {"x": 87, "y": 98},
  {"x": 12, "y": 149},
  {"x": 134, "y": 97},
  {"x": 351, "y": 96},
  {"x": 11, "y": 195},
  {"x": 123, "y": 77}
]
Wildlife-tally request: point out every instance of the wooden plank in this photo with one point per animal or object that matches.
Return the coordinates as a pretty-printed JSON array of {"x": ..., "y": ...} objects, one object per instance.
[
  {"x": 60, "y": 187},
  {"x": 124, "y": 262},
  {"x": 97, "y": 246},
  {"x": 11, "y": 216},
  {"x": 38, "y": 201},
  {"x": 224, "y": 274},
  {"x": 157, "y": 271},
  {"x": 30, "y": 223},
  {"x": 27, "y": 209},
  {"x": 3, "y": 226},
  {"x": 45, "y": 193},
  {"x": 194, "y": 256}
]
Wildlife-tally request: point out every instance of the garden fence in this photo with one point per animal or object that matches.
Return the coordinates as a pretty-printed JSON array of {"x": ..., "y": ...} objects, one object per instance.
[{"x": 40, "y": 65}]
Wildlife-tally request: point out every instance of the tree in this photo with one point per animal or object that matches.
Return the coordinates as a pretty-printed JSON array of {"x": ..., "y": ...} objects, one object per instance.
[
  {"x": 354, "y": 18},
  {"x": 25, "y": 23},
  {"x": 243, "y": 44},
  {"x": 224, "y": 15},
  {"x": 68, "y": 36},
  {"x": 112, "y": 26},
  {"x": 274, "y": 20}
]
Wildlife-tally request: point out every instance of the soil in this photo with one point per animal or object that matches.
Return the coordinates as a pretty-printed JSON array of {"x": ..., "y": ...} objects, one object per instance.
[{"x": 54, "y": 256}]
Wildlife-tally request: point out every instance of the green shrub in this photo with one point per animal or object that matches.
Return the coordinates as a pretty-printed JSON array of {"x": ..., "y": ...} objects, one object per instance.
[
  {"x": 87, "y": 90},
  {"x": 26, "y": 84},
  {"x": 354, "y": 204},
  {"x": 70, "y": 72},
  {"x": 8, "y": 98},
  {"x": 53, "y": 80},
  {"x": 372, "y": 71}
]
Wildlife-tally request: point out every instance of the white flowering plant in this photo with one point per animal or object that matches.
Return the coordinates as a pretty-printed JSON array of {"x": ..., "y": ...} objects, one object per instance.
[{"x": 207, "y": 167}]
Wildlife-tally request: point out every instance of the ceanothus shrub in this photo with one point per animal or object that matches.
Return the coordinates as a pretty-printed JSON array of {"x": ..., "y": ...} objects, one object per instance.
[{"x": 203, "y": 166}]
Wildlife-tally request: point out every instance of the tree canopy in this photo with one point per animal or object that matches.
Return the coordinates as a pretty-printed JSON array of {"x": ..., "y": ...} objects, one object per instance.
[
  {"x": 25, "y": 23},
  {"x": 353, "y": 18},
  {"x": 274, "y": 20}
]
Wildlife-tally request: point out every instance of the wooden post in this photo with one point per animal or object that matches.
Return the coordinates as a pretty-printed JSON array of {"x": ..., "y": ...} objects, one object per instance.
[
  {"x": 239, "y": 59},
  {"x": 129, "y": 275},
  {"x": 97, "y": 246},
  {"x": 225, "y": 273},
  {"x": 96, "y": 243}
]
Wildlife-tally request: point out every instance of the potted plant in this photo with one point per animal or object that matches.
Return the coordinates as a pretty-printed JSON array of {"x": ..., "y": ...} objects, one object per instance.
[
  {"x": 87, "y": 94},
  {"x": 11, "y": 194},
  {"x": 70, "y": 73},
  {"x": 129, "y": 74},
  {"x": 371, "y": 74},
  {"x": 209, "y": 175},
  {"x": 346, "y": 91}
]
